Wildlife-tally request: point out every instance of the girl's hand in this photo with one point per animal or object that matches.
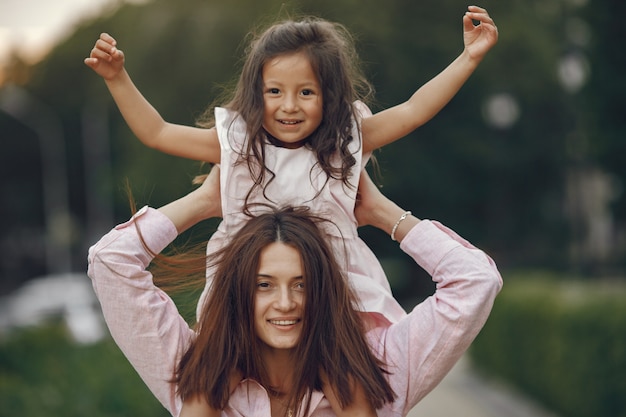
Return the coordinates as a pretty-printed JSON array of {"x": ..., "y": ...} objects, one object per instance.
[
  {"x": 105, "y": 59},
  {"x": 478, "y": 39}
]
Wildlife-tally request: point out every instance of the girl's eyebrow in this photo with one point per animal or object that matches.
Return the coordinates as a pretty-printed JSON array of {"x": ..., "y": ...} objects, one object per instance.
[{"x": 279, "y": 83}]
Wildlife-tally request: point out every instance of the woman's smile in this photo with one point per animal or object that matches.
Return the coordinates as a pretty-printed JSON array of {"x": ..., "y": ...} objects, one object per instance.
[{"x": 283, "y": 322}]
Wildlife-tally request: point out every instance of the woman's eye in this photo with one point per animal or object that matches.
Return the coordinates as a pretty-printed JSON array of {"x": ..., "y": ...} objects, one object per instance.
[{"x": 263, "y": 285}]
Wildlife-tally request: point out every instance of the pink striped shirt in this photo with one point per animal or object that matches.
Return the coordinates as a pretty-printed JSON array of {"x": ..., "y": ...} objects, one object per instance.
[{"x": 419, "y": 350}]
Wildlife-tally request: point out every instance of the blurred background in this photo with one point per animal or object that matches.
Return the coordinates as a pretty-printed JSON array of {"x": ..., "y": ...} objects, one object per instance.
[{"x": 528, "y": 162}]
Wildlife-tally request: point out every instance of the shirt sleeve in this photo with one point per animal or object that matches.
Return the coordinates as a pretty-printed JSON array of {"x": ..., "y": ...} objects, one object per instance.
[
  {"x": 142, "y": 319},
  {"x": 421, "y": 348}
]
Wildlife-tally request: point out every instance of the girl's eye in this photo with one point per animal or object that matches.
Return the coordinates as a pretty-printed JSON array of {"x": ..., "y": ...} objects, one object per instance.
[
  {"x": 273, "y": 90},
  {"x": 307, "y": 92}
]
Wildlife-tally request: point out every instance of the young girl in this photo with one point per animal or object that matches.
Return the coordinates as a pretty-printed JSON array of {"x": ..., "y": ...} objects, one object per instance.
[{"x": 296, "y": 132}]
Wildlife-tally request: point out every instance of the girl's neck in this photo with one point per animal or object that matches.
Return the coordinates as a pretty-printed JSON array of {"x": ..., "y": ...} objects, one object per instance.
[{"x": 280, "y": 144}]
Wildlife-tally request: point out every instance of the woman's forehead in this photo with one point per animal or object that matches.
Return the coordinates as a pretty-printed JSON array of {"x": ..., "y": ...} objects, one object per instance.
[{"x": 280, "y": 260}]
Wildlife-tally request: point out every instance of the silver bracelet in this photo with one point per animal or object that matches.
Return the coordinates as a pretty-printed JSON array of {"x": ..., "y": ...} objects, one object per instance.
[{"x": 395, "y": 226}]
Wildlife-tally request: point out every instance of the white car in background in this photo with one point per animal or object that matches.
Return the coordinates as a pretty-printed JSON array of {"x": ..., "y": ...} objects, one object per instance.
[{"x": 67, "y": 295}]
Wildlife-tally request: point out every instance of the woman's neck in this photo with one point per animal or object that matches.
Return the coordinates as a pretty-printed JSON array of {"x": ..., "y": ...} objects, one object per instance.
[{"x": 279, "y": 366}]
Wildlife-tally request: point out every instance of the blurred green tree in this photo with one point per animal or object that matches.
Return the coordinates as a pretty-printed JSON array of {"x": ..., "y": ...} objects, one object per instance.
[{"x": 494, "y": 164}]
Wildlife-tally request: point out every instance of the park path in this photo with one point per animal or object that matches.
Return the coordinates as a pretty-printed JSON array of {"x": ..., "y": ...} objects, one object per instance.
[{"x": 464, "y": 393}]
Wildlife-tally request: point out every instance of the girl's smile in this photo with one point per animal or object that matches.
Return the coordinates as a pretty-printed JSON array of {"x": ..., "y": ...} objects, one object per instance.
[{"x": 292, "y": 98}]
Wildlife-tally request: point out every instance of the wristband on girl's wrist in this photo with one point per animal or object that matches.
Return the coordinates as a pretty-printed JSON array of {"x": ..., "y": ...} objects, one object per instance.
[{"x": 395, "y": 226}]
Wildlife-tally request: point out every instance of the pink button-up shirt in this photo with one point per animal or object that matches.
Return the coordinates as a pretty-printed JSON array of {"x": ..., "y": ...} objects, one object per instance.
[{"x": 419, "y": 350}]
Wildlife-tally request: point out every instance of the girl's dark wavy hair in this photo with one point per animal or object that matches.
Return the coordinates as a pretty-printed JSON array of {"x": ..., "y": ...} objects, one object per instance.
[
  {"x": 332, "y": 344},
  {"x": 331, "y": 51}
]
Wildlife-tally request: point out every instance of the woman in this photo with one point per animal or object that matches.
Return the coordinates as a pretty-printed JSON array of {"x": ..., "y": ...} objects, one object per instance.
[{"x": 412, "y": 355}]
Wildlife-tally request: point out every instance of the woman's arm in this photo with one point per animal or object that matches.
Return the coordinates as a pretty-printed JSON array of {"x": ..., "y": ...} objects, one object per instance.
[
  {"x": 396, "y": 122},
  {"x": 421, "y": 348},
  {"x": 427, "y": 343},
  {"x": 142, "y": 319},
  {"x": 142, "y": 118}
]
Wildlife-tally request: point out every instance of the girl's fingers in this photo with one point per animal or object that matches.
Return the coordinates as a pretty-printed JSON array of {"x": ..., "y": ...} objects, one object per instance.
[
  {"x": 481, "y": 17},
  {"x": 105, "y": 46},
  {"x": 100, "y": 54},
  {"x": 108, "y": 38},
  {"x": 478, "y": 13},
  {"x": 104, "y": 50},
  {"x": 476, "y": 9},
  {"x": 468, "y": 24}
]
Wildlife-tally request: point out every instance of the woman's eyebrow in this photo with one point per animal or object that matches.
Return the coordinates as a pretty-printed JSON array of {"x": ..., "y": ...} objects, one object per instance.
[{"x": 297, "y": 277}]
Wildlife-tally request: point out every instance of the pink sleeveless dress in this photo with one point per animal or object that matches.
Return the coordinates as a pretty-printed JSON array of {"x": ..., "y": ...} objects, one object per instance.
[{"x": 298, "y": 182}]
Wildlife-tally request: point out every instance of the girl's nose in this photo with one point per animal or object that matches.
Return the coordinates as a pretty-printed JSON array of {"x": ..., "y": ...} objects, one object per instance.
[{"x": 289, "y": 103}]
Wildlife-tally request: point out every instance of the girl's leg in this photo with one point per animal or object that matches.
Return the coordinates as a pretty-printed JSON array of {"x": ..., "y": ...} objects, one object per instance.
[
  {"x": 198, "y": 407},
  {"x": 360, "y": 406}
]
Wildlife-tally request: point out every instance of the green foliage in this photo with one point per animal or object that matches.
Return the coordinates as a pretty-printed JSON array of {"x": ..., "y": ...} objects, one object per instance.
[
  {"x": 501, "y": 187},
  {"x": 564, "y": 343},
  {"x": 606, "y": 94},
  {"x": 44, "y": 373}
]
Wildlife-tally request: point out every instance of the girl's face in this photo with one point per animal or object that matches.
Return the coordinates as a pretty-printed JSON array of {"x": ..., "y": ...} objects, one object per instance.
[
  {"x": 279, "y": 297},
  {"x": 292, "y": 98}
]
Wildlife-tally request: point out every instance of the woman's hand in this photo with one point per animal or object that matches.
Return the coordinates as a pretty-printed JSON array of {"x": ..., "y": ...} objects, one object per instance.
[{"x": 105, "y": 59}]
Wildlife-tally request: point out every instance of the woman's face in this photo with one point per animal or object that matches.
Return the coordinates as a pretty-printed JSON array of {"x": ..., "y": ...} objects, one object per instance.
[{"x": 279, "y": 297}]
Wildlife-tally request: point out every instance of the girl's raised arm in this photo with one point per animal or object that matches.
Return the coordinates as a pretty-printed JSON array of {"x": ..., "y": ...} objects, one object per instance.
[
  {"x": 396, "y": 122},
  {"x": 142, "y": 118}
]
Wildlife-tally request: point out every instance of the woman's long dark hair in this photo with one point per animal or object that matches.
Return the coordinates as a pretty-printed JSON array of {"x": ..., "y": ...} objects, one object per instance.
[
  {"x": 332, "y": 339},
  {"x": 330, "y": 49}
]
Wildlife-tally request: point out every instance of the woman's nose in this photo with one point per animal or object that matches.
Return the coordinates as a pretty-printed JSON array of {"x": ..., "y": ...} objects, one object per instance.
[{"x": 285, "y": 300}]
